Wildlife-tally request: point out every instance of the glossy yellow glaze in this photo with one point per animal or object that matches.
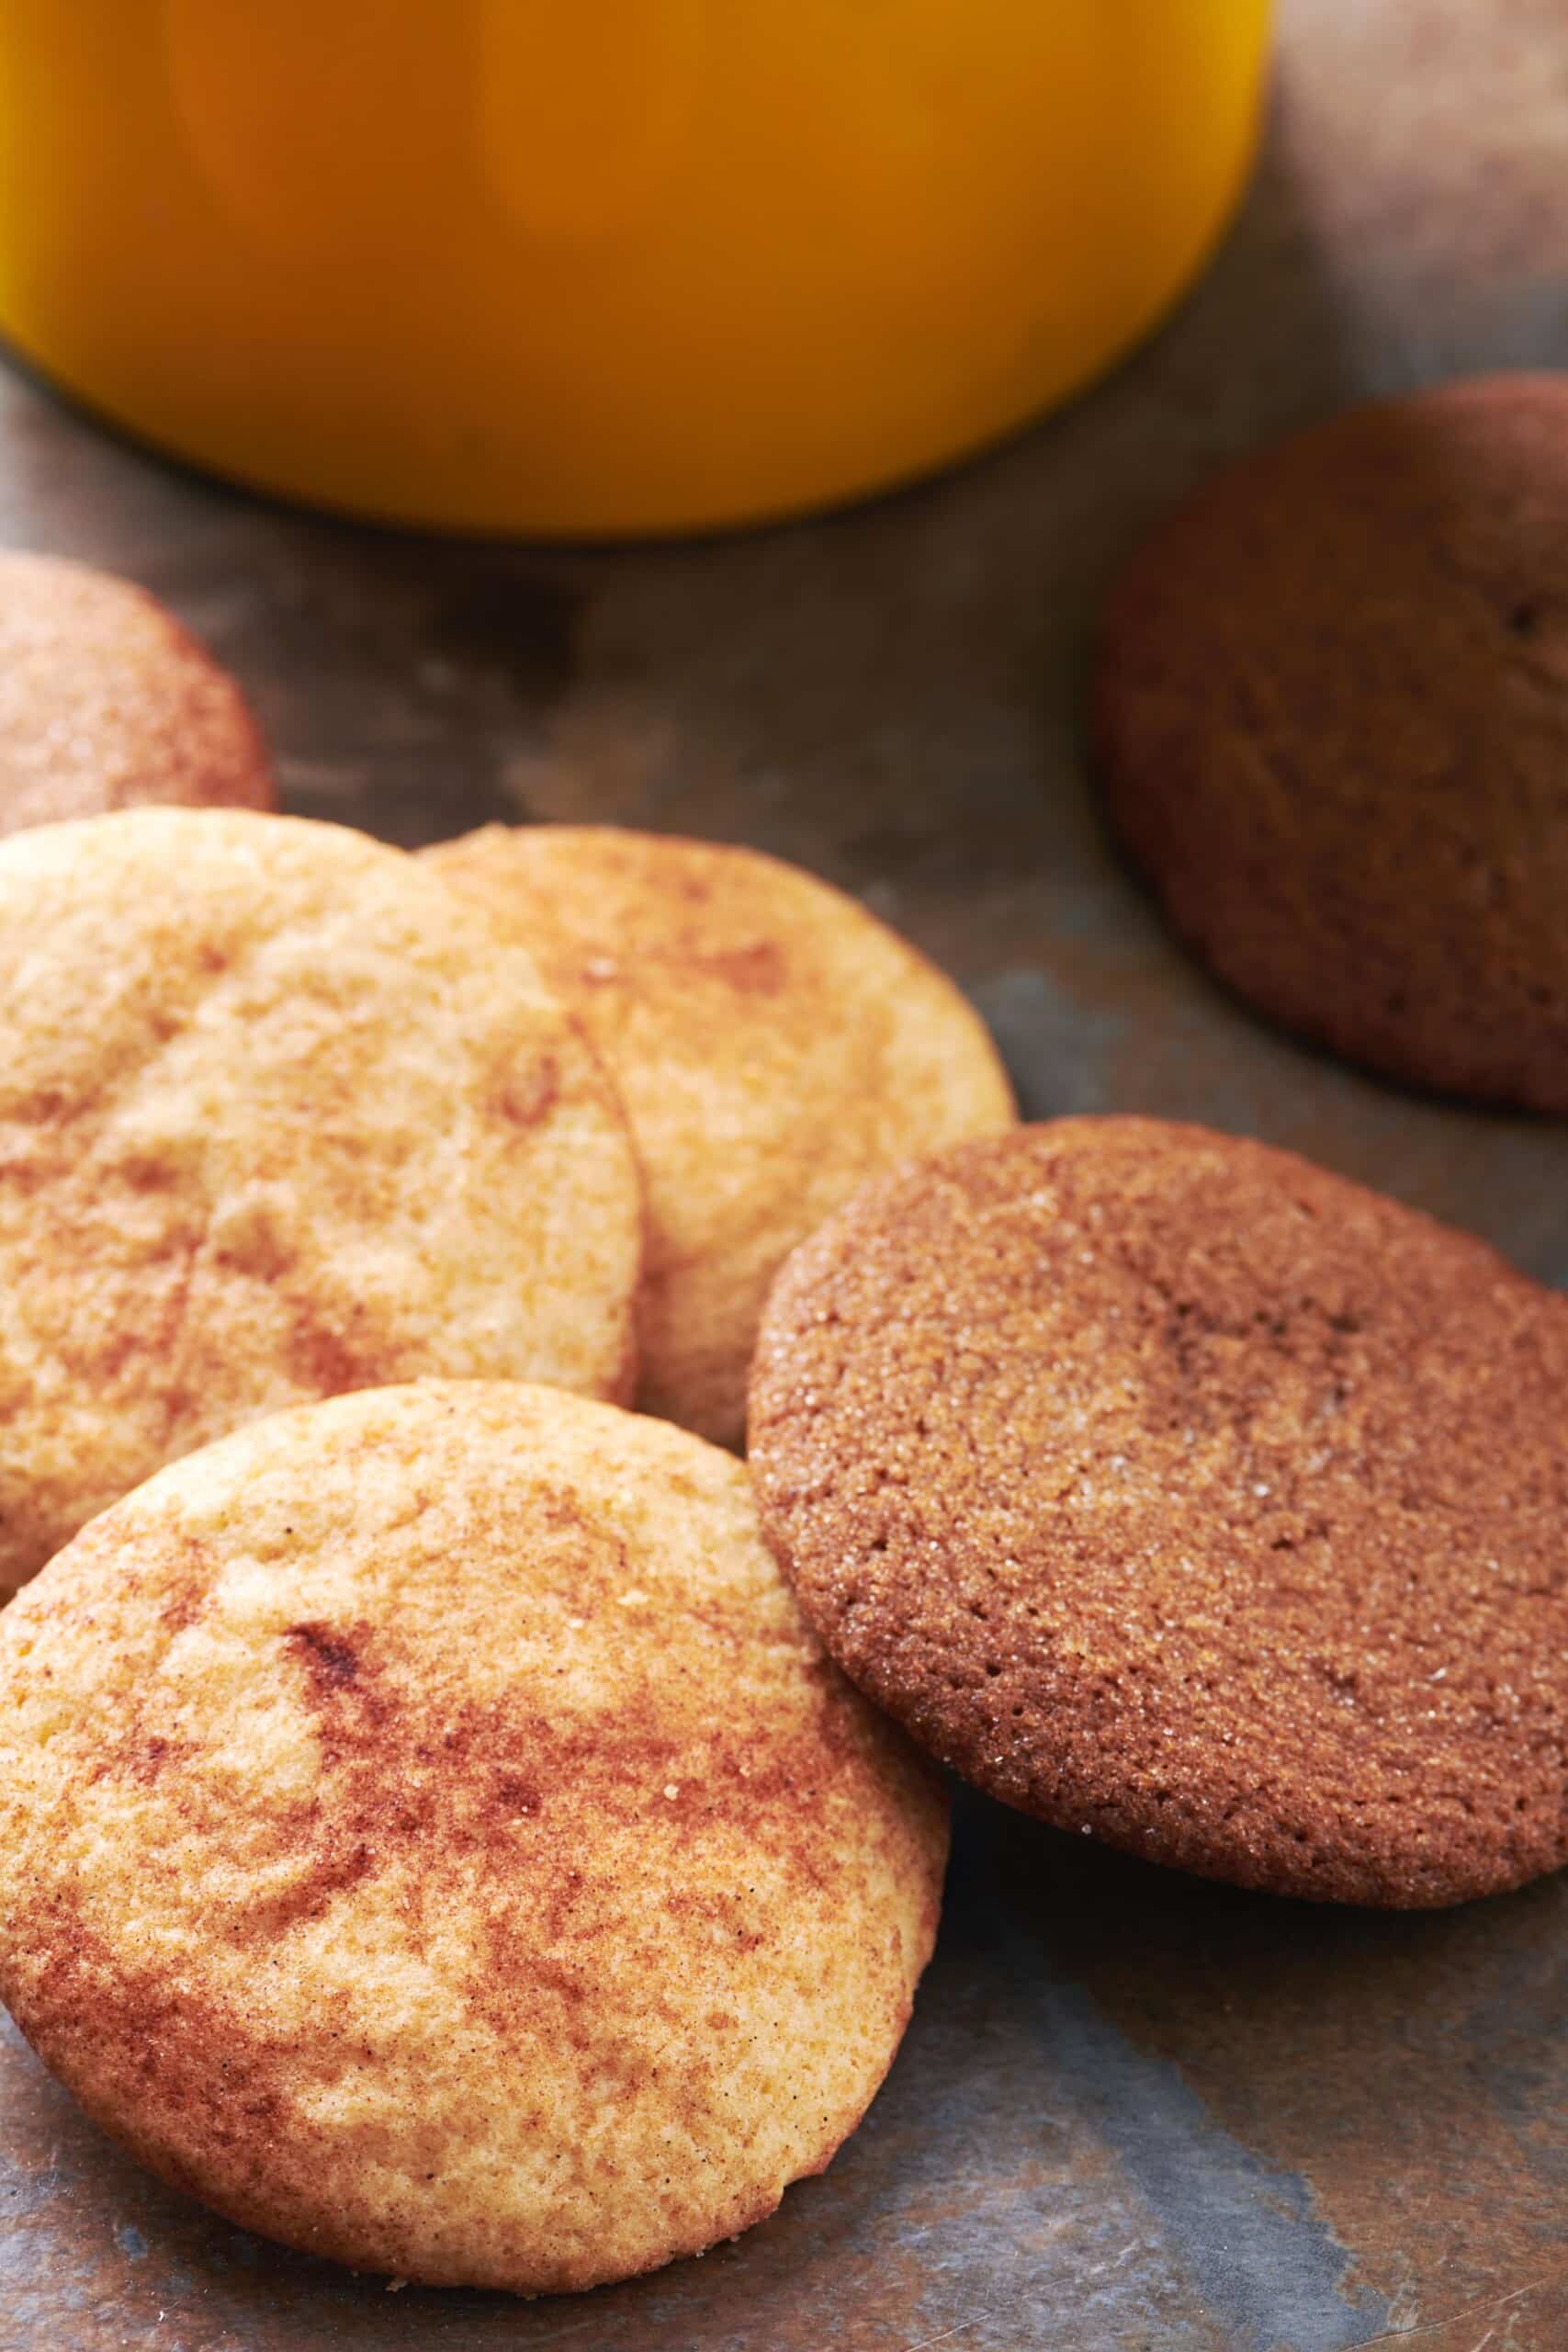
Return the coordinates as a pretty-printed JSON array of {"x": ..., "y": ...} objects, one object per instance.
[{"x": 622, "y": 265}]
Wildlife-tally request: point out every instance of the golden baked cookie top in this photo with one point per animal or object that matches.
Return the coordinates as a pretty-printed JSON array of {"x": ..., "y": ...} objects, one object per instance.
[
  {"x": 430, "y": 1833},
  {"x": 774, "y": 1043},
  {"x": 275, "y": 1122}
]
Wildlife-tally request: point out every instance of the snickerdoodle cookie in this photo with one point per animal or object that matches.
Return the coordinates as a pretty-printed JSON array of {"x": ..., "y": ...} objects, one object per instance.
[
  {"x": 1184, "y": 1495},
  {"x": 1331, "y": 714},
  {"x": 108, "y": 701},
  {"x": 774, "y": 1044},
  {"x": 274, "y": 1123},
  {"x": 430, "y": 1833}
]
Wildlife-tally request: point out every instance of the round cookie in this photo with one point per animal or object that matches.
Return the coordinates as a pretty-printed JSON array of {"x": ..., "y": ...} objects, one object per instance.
[
  {"x": 108, "y": 701},
  {"x": 774, "y": 1043},
  {"x": 430, "y": 1834},
  {"x": 1331, "y": 717},
  {"x": 273, "y": 1123},
  {"x": 1188, "y": 1496}
]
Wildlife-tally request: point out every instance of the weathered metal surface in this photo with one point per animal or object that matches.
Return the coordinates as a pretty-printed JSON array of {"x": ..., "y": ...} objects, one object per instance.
[{"x": 1132, "y": 2113}]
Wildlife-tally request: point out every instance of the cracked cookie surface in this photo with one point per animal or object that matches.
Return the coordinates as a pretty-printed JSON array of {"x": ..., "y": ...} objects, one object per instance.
[
  {"x": 430, "y": 1832},
  {"x": 773, "y": 1043},
  {"x": 274, "y": 1123},
  {"x": 1183, "y": 1494}
]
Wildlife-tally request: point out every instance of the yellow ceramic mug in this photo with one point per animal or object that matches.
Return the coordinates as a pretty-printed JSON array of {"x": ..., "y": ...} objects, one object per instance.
[{"x": 603, "y": 265}]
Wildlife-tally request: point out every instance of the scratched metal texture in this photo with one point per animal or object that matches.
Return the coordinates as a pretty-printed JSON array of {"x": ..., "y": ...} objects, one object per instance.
[{"x": 1133, "y": 2114}]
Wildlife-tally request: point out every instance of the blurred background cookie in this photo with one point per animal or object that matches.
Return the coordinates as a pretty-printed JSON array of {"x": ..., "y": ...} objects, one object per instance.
[
  {"x": 774, "y": 1045},
  {"x": 1187, "y": 1495},
  {"x": 1331, "y": 715},
  {"x": 430, "y": 1833},
  {"x": 108, "y": 701},
  {"x": 273, "y": 1123}
]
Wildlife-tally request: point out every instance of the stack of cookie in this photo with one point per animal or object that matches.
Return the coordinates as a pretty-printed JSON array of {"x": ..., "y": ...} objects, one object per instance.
[{"x": 454, "y": 1822}]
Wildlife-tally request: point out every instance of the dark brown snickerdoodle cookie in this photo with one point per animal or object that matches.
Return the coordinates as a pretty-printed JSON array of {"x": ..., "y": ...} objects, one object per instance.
[
  {"x": 1331, "y": 715},
  {"x": 1187, "y": 1495}
]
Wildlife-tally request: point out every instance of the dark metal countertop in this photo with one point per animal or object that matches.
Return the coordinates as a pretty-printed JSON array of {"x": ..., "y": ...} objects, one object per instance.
[{"x": 1133, "y": 2114}]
